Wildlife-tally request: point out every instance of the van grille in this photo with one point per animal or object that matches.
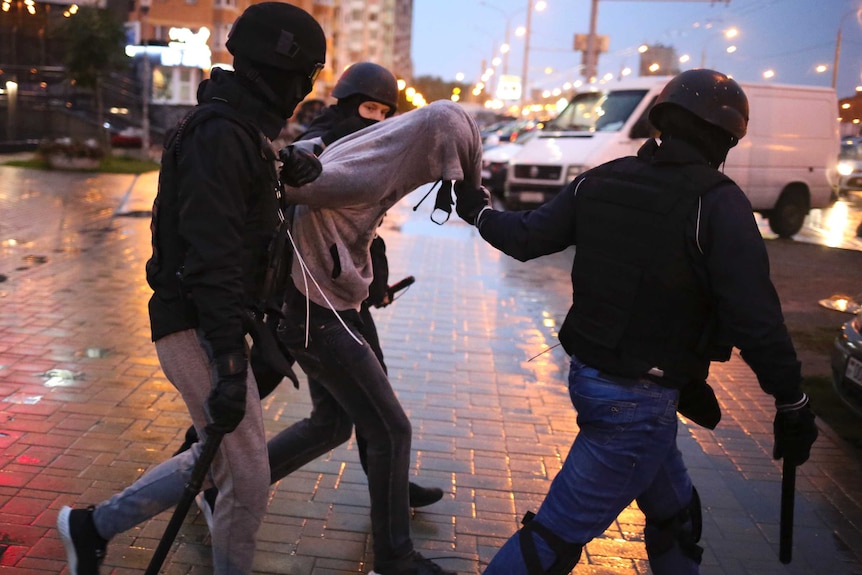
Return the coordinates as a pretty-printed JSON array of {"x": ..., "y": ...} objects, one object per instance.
[{"x": 534, "y": 172}]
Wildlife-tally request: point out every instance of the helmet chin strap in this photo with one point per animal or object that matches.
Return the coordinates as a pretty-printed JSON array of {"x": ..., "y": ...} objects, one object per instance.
[{"x": 264, "y": 88}]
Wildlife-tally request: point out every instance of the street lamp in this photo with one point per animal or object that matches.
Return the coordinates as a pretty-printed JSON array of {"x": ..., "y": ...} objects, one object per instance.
[
  {"x": 507, "y": 39},
  {"x": 539, "y": 6},
  {"x": 858, "y": 11},
  {"x": 145, "y": 96},
  {"x": 728, "y": 34}
]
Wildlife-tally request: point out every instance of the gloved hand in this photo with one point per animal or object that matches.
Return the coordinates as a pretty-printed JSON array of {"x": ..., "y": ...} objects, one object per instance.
[
  {"x": 795, "y": 432},
  {"x": 299, "y": 164},
  {"x": 226, "y": 402},
  {"x": 470, "y": 200}
]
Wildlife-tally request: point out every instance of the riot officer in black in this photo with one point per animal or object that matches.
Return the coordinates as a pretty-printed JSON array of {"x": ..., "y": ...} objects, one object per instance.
[
  {"x": 214, "y": 217},
  {"x": 670, "y": 272}
]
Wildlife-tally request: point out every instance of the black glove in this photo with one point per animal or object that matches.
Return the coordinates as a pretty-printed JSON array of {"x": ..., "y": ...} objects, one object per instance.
[
  {"x": 795, "y": 432},
  {"x": 299, "y": 165},
  {"x": 470, "y": 200},
  {"x": 226, "y": 402}
]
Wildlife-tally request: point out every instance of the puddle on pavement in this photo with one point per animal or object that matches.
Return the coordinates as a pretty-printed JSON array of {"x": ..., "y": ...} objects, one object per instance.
[
  {"x": 31, "y": 259},
  {"x": 60, "y": 377},
  {"x": 22, "y": 399}
]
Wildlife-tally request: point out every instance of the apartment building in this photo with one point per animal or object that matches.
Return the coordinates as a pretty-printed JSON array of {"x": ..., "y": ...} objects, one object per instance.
[{"x": 373, "y": 30}]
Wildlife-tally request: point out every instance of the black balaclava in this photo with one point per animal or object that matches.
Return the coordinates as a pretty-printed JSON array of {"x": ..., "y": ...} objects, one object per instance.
[
  {"x": 349, "y": 107},
  {"x": 282, "y": 89},
  {"x": 710, "y": 140}
]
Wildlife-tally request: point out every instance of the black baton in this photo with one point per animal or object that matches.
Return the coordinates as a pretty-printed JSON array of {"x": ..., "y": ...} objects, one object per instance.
[
  {"x": 196, "y": 480},
  {"x": 788, "y": 496}
]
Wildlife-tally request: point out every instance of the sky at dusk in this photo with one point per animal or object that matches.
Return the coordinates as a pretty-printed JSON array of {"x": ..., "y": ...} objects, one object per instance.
[{"x": 789, "y": 37}]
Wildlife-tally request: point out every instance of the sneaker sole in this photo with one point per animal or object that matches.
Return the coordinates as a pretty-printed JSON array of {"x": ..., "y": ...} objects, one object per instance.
[{"x": 66, "y": 535}]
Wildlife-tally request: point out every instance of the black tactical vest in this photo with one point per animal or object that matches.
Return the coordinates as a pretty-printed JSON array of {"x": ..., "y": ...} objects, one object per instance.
[
  {"x": 170, "y": 309},
  {"x": 637, "y": 301}
]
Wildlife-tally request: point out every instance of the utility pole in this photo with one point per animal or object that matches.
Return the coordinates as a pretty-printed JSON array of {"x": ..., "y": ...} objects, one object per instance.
[
  {"x": 145, "y": 96},
  {"x": 524, "y": 95},
  {"x": 592, "y": 56}
]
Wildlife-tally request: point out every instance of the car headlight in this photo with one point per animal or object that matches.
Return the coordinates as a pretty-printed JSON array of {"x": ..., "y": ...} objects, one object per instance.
[
  {"x": 845, "y": 168},
  {"x": 573, "y": 172}
]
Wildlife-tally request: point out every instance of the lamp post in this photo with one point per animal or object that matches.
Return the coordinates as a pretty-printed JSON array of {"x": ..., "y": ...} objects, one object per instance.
[
  {"x": 507, "y": 39},
  {"x": 540, "y": 5},
  {"x": 145, "y": 96},
  {"x": 838, "y": 44}
]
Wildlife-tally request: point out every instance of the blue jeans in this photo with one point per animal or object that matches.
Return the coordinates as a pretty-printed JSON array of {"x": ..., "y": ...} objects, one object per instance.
[
  {"x": 349, "y": 387},
  {"x": 625, "y": 451}
]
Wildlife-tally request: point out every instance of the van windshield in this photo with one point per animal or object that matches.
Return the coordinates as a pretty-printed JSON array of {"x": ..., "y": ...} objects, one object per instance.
[{"x": 597, "y": 111}]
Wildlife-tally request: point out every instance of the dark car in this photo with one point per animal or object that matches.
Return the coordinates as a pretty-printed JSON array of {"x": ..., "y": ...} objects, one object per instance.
[
  {"x": 850, "y": 166},
  {"x": 495, "y": 160},
  {"x": 847, "y": 363}
]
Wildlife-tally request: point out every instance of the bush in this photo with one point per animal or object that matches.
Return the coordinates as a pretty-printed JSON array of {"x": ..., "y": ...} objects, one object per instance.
[{"x": 71, "y": 149}]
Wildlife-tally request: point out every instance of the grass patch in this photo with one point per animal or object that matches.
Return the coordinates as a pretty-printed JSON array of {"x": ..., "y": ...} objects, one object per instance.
[
  {"x": 819, "y": 339},
  {"x": 832, "y": 410},
  {"x": 108, "y": 165}
]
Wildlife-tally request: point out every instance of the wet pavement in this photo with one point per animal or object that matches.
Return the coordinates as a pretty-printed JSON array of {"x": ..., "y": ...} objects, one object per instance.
[{"x": 85, "y": 409}]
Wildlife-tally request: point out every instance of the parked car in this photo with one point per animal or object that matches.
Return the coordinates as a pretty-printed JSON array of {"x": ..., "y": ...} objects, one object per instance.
[
  {"x": 850, "y": 166},
  {"x": 495, "y": 160},
  {"x": 128, "y": 138},
  {"x": 847, "y": 363},
  {"x": 505, "y": 132}
]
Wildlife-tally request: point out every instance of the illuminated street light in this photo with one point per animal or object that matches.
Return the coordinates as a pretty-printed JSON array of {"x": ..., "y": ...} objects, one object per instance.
[
  {"x": 768, "y": 74},
  {"x": 539, "y": 6},
  {"x": 728, "y": 34}
]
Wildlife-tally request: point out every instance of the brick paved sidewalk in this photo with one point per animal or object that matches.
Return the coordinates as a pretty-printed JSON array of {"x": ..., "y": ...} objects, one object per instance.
[{"x": 85, "y": 408}]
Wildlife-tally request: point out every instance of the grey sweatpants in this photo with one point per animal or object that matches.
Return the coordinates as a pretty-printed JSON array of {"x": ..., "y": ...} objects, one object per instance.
[{"x": 240, "y": 469}]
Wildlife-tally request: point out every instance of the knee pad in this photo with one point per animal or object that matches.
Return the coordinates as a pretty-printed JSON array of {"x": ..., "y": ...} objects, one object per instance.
[
  {"x": 683, "y": 529},
  {"x": 568, "y": 554}
]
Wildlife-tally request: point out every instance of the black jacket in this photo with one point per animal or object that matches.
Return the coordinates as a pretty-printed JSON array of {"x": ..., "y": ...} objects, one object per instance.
[
  {"x": 214, "y": 216},
  {"x": 725, "y": 249}
]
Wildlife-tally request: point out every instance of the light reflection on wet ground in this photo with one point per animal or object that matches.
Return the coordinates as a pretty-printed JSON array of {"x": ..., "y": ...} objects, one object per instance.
[{"x": 458, "y": 345}]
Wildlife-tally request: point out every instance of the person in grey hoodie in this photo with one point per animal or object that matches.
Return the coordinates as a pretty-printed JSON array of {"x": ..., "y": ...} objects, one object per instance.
[{"x": 335, "y": 219}]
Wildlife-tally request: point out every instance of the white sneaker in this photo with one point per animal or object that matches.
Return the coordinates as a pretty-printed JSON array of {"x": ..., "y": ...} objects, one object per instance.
[{"x": 205, "y": 508}]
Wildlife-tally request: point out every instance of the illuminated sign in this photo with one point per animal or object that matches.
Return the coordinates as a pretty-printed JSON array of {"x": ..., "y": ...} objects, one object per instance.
[
  {"x": 186, "y": 48},
  {"x": 509, "y": 88}
]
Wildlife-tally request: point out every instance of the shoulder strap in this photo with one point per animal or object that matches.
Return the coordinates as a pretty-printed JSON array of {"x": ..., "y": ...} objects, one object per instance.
[{"x": 208, "y": 110}]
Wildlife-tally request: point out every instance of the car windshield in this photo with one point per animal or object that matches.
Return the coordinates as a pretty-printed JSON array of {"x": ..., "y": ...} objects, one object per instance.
[{"x": 597, "y": 111}]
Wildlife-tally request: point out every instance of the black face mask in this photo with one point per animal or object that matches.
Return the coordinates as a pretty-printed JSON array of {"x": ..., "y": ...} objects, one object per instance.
[
  {"x": 349, "y": 108},
  {"x": 282, "y": 89}
]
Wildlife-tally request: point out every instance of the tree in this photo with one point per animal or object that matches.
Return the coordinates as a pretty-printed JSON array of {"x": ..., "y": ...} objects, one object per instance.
[{"x": 94, "y": 41}]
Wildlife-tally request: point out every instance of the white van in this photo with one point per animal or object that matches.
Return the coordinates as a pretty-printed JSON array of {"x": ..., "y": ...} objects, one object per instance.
[{"x": 784, "y": 164}]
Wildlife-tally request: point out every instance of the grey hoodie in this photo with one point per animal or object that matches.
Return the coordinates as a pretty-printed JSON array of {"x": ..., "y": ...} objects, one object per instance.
[{"x": 364, "y": 174}]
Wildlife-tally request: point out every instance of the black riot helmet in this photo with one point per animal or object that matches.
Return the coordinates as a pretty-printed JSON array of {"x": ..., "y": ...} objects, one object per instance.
[
  {"x": 281, "y": 36},
  {"x": 709, "y": 95},
  {"x": 280, "y": 49},
  {"x": 370, "y": 80}
]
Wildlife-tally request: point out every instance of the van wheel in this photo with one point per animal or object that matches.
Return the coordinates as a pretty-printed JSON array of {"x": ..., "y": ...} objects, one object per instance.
[{"x": 788, "y": 215}]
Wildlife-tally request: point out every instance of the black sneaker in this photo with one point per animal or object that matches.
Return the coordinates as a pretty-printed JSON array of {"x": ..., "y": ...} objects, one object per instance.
[
  {"x": 413, "y": 564},
  {"x": 422, "y": 496},
  {"x": 85, "y": 548}
]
